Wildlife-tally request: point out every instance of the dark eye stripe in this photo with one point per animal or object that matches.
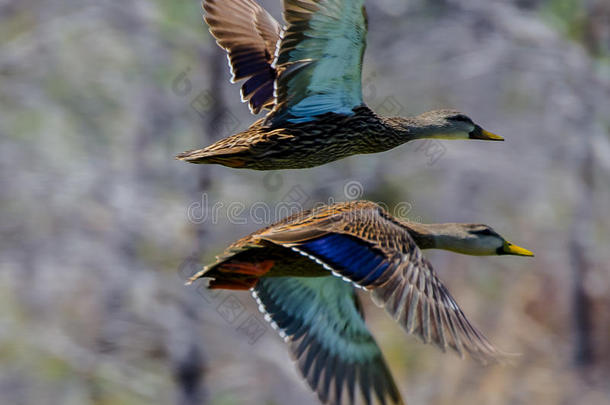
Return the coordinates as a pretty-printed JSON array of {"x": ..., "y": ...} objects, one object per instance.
[
  {"x": 461, "y": 118},
  {"x": 485, "y": 232}
]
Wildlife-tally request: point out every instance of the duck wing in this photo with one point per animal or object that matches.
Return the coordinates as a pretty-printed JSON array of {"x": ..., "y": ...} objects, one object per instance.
[
  {"x": 249, "y": 35},
  {"x": 374, "y": 252},
  {"x": 319, "y": 62},
  {"x": 322, "y": 321}
]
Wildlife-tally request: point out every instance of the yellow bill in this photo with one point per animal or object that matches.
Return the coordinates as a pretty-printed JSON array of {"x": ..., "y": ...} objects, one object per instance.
[
  {"x": 480, "y": 133},
  {"x": 491, "y": 136},
  {"x": 510, "y": 249}
]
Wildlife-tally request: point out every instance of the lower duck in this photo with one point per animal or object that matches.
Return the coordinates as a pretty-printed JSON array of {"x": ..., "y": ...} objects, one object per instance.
[{"x": 289, "y": 266}]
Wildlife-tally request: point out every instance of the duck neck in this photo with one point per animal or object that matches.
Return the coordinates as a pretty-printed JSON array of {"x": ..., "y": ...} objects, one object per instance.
[
  {"x": 405, "y": 129},
  {"x": 426, "y": 236},
  {"x": 410, "y": 129},
  {"x": 421, "y": 127}
]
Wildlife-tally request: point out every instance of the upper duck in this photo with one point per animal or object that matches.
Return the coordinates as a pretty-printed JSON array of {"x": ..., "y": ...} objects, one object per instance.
[
  {"x": 309, "y": 75},
  {"x": 289, "y": 267}
]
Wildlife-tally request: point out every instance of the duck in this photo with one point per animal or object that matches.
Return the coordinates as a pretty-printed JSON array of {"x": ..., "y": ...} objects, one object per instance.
[
  {"x": 307, "y": 76},
  {"x": 304, "y": 272}
]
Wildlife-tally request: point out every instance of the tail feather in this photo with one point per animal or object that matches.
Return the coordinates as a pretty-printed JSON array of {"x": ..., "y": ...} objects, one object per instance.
[
  {"x": 190, "y": 155},
  {"x": 204, "y": 156},
  {"x": 224, "y": 280},
  {"x": 207, "y": 271},
  {"x": 232, "y": 284},
  {"x": 232, "y": 265}
]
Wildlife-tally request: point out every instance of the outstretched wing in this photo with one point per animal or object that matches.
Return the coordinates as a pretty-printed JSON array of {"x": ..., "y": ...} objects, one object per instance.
[
  {"x": 321, "y": 319},
  {"x": 379, "y": 255},
  {"x": 249, "y": 35},
  {"x": 319, "y": 62}
]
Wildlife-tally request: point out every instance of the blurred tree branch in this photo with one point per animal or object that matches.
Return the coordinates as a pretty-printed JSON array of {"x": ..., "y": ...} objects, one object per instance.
[{"x": 580, "y": 238}]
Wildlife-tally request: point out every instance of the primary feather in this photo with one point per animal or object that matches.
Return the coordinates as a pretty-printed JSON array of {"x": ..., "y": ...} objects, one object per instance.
[
  {"x": 322, "y": 321},
  {"x": 249, "y": 34}
]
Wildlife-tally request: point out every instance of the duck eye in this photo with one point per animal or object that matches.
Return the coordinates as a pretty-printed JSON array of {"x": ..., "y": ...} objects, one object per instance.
[
  {"x": 461, "y": 118},
  {"x": 483, "y": 232}
]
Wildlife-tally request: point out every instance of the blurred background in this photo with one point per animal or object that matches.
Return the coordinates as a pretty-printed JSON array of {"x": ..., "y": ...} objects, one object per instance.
[{"x": 100, "y": 226}]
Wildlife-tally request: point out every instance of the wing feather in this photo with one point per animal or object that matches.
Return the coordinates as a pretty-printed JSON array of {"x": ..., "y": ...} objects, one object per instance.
[
  {"x": 249, "y": 35},
  {"x": 377, "y": 254},
  {"x": 335, "y": 352},
  {"x": 319, "y": 59}
]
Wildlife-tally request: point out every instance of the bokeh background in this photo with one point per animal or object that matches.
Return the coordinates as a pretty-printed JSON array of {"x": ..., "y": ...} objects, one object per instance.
[{"x": 100, "y": 226}]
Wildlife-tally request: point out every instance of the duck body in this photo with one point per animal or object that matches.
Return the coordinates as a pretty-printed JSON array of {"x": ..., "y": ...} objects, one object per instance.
[{"x": 300, "y": 145}]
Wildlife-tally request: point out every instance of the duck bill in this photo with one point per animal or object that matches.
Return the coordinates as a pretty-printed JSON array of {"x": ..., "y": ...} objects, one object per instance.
[
  {"x": 510, "y": 249},
  {"x": 480, "y": 133}
]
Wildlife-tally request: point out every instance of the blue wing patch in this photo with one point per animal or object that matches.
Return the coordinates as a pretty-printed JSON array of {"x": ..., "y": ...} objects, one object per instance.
[{"x": 348, "y": 256}]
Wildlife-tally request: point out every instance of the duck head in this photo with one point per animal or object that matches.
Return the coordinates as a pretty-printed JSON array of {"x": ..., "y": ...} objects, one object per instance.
[
  {"x": 470, "y": 239},
  {"x": 449, "y": 124}
]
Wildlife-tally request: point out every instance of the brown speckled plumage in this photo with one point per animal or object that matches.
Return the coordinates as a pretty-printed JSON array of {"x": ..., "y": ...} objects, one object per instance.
[{"x": 301, "y": 145}]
